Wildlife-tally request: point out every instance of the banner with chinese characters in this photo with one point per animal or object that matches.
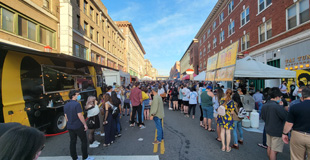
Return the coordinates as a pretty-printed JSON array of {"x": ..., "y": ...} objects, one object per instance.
[
  {"x": 210, "y": 76},
  {"x": 228, "y": 56},
  {"x": 212, "y": 61},
  {"x": 225, "y": 74}
]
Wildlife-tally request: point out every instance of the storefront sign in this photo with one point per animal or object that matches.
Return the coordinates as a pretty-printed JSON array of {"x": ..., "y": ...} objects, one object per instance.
[
  {"x": 225, "y": 74},
  {"x": 228, "y": 56},
  {"x": 296, "y": 61},
  {"x": 210, "y": 76},
  {"x": 212, "y": 61}
]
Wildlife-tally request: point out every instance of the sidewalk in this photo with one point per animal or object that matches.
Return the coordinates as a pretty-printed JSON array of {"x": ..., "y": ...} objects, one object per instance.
[{"x": 104, "y": 158}]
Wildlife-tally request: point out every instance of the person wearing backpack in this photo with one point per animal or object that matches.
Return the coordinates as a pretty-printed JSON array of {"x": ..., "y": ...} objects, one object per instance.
[
  {"x": 226, "y": 122},
  {"x": 237, "y": 117}
]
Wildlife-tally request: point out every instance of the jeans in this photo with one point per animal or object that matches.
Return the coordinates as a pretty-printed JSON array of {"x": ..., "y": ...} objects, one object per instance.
[
  {"x": 73, "y": 137},
  {"x": 134, "y": 110},
  {"x": 260, "y": 105},
  {"x": 239, "y": 128},
  {"x": 118, "y": 124},
  {"x": 160, "y": 133}
]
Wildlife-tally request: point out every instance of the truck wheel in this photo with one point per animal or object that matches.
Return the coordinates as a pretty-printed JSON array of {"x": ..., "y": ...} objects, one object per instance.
[{"x": 60, "y": 123}]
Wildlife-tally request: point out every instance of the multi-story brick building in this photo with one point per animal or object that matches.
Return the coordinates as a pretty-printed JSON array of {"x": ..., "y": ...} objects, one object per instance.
[
  {"x": 175, "y": 71},
  {"x": 134, "y": 53},
  {"x": 89, "y": 32},
  {"x": 185, "y": 61},
  {"x": 30, "y": 23},
  {"x": 194, "y": 56},
  {"x": 271, "y": 31}
]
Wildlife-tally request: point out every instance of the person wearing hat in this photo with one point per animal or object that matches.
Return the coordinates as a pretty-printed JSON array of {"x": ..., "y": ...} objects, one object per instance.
[
  {"x": 157, "y": 114},
  {"x": 207, "y": 108}
]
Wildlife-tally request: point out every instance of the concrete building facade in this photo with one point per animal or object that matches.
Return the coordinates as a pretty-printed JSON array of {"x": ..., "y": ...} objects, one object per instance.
[
  {"x": 134, "y": 51},
  {"x": 147, "y": 67},
  {"x": 32, "y": 24},
  {"x": 261, "y": 33}
]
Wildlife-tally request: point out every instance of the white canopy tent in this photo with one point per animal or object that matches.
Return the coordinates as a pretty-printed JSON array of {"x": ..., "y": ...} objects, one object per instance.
[
  {"x": 201, "y": 76},
  {"x": 252, "y": 69}
]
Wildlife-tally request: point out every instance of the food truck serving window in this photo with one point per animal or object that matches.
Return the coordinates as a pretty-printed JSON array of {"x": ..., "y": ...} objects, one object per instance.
[{"x": 55, "y": 80}]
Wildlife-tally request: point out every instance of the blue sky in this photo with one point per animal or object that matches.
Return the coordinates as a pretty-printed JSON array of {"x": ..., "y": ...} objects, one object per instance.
[{"x": 164, "y": 27}]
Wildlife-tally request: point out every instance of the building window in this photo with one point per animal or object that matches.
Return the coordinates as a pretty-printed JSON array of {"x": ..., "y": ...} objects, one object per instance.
[
  {"x": 79, "y": 51},
  {"x": 221, "y": 17},
  {"x": 22, "y": 27},
  {"x": 91, "y": 13},
  {"x": 222, "y": 36},
  {"x": 85, "y": 6},
  {"x": 204, "y": 50},
  {"x": 47, "y": 37},
  {"x": 209, "y": 48},
  {"x": 204, "y": 38},
  {"x": 209, "y": 31},
  {"x": 103, "y": 42},
  {"x": 78, "y": 22},
  {"x": 32, "y": 30},
  {"x": 214, "y": 42},
  {"x": 46, "y": 4},
  {"x": 245, "y": 16},
  {"x": 200, "y": 53},
  {"x": 231, "y": 28},
  {"x": 97, "y": 18},
  {"x": 231, "y": 6},
  {"x": 214, "y": 25},
  {"x": 245, "y": 42},
  {"x": 103, "y": 28},
  {"x": 298, "y": 14},
  {"x": 85, "y": 28},
  {"x": 7, "y": 20},
  {"x": 109, "y": 46},
  {"x": 91, "y": 33},
  {"x": 262, "y": 4},
  {"x": 265, "y": 31},
  {"x": 98, "y": 37},
  {"x": 76, "y": 51}
]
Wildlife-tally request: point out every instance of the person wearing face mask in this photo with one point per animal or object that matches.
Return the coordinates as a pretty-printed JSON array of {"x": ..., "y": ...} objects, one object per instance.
[
  {"x": 93, "y": 120},
  {"x": 299, "y": 94},
  {"x": 76, "y": 125},
  {"x": 274, "y": 116}
]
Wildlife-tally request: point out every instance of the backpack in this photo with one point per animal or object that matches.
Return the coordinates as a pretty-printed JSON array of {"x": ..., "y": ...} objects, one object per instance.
[
  {"x": 242, "y": 113},
  {"x": 221, "y": 110}
]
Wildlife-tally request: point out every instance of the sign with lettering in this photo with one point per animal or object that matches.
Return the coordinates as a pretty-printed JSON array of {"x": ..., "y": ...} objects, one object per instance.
[
  {"x": 212, "y": 62},
  {"x": 228, "y": 56},
  {"x": 210, "y": 76},
  {"x": 225, "y": 74}
]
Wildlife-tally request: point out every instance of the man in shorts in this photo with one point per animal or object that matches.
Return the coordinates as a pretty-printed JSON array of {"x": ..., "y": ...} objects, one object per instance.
[{"x": 274, "y": 116}]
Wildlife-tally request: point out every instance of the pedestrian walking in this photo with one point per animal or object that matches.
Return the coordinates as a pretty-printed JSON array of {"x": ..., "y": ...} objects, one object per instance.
[
  {"x": 274, "y": 116},
  {"x": 237, "y": 122},
  {"x": 298, "y": 121},
  {"x": 193, "y": 98},
  {"x": 109, "y": 122},
  {"x": 157, "y": 114},
  {"x": 226, "y": 122},
  {"x": 207, "y": 108},
  {"x": 136, "y": 100},
  {"x": 93, "y": 122},
  {"x": 76, "y": 125}
]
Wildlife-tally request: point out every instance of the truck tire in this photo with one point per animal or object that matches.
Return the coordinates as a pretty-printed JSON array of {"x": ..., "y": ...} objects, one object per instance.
[{"x": 59, "y": 123}]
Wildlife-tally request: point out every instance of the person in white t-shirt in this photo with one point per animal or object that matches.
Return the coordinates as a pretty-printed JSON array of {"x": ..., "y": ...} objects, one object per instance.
[
  {"x": 193, "y": 98},
  {"x": 185, "y": 92}
]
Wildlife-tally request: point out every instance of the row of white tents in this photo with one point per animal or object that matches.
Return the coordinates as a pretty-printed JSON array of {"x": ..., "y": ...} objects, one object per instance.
[{"x": 251, "y": 69}]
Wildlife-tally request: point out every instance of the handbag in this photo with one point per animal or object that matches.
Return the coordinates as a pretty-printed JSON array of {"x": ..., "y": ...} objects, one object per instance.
[
  {"x": 221, "y": 110},
  {"x": 91, "y": 122}
]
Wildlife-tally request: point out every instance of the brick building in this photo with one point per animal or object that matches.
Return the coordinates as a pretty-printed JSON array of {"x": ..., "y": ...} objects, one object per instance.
[
  {"x": 175, "y": 70},
  {"x": 194, "y": 56},
  {"x": 31, "y": 24},
  {"x": 263, "y": 29}
]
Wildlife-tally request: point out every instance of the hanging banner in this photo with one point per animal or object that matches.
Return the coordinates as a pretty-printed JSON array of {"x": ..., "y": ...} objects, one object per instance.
[
  {"x": 228, "y": 56},
  {"x": 212, "y": 61},
  {"x": 225, "y": 74},
  {"x": 210, "y": 76}
]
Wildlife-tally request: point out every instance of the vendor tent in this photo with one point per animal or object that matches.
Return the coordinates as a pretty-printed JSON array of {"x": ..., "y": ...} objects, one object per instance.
[
  {"x": 187, "y": 77},
  {"x": 201, "y": 76},
  {"x": 252, "y": 69}
]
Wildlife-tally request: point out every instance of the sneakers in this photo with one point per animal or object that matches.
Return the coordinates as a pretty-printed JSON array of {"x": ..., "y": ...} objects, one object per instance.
[
  {"x": 96, "y": 142},
  {"x": 90, "y": 158},
  {"x": 170, "y": 109},
  {"x": 102, "y": 134},
  {"x": 156, "y": 142},
  {"x": 94, "y": 145},
  {"x": 119, "y": 135},
  {"x": 142, "y": 127}
]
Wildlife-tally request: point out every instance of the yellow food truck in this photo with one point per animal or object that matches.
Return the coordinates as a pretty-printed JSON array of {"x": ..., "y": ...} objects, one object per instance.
[{"x": 35, "y": 86}]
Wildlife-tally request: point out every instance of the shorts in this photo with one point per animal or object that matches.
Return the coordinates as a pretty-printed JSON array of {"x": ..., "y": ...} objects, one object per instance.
[
  {"x": 127, "y": 105},
  {"x": 185, "y": 103},
  {"x": 275, "y": 143},
  {"x": 207, "y": 112},
  {"x": 180, "y": 102}
]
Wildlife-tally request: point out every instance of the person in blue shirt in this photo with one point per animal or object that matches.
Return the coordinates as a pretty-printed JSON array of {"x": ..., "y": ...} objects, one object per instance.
[{"x": 76, "y": 125}]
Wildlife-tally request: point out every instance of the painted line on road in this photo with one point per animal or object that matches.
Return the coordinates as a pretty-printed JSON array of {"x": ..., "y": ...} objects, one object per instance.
[
  {"x": 104, "y": 157},
  {"x": 162, "y": 144}
]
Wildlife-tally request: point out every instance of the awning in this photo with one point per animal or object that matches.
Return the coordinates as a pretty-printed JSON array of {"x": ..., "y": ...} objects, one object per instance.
[
  {"x": 66, "y": 70},
  {"x": 201, "y": 76},
  {"x": 187, "y": 77}
]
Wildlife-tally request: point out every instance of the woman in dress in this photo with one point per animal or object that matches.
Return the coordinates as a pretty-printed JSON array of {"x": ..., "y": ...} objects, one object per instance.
[
  {"x": 92, "y": 110},
  {"x": 226, "y": 122},
  {"x": 108, "y": 122}
]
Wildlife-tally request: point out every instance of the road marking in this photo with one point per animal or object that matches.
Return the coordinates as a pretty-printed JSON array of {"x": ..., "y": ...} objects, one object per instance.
[
  {"x": 104, "y": 157},
  {"x": 162, "y": 144}
]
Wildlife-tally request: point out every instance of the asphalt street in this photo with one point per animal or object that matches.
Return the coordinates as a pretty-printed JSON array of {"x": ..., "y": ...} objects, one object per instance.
[{"x": 184, "y": 140}]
